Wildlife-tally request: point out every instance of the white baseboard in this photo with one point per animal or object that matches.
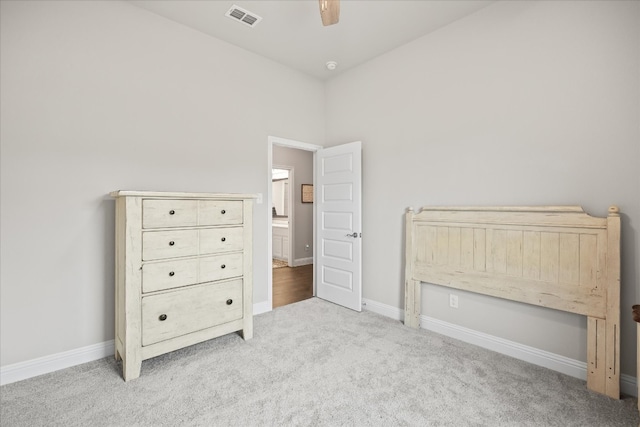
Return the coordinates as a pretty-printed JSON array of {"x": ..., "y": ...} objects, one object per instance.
[
  {"x": 575, "y": 368},
  {"x": 261, "y": 307},
  {"x": 556, "y": 362},
  {"x": 572, "y": 367},
  {"x": 302, "y": 261},
  {"x": 628, "y": 385},
  {"x": 383, "y": 309},
  {"x": 44, "y": 365}
]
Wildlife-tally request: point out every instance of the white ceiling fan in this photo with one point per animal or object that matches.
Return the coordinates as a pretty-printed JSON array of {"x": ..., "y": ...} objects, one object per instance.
[{"x": 329, "y": 11}]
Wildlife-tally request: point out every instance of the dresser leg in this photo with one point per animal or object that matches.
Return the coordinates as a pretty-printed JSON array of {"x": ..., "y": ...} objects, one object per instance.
[
  {"x": 247, "y": 331},
  {"x": 131, "y": 370}
]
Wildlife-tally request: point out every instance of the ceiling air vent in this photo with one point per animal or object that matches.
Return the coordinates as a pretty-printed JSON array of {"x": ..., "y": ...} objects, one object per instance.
[{"x": 244, "y": 16}]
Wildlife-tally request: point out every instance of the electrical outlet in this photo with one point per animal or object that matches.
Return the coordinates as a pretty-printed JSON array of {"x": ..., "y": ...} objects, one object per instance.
[{"x": 453, "y": 301}]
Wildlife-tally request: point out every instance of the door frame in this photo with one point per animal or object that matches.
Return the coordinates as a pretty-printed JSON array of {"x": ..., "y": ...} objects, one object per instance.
[{"x": 290, "y": 143}]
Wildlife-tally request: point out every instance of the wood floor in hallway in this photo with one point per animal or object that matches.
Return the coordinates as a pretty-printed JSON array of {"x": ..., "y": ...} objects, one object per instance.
[{"x": 292, "y": 284}]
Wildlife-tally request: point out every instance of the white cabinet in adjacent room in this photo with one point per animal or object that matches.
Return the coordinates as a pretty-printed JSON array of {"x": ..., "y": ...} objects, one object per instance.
[{"x": 280, "y": 242}]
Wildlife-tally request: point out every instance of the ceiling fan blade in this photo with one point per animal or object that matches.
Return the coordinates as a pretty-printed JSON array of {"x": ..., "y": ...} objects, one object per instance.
[{"x": 329, "y": 11}]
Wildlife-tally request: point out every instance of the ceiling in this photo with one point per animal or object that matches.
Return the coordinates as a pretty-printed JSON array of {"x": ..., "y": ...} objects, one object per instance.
[{"x": 292, "y": 34}]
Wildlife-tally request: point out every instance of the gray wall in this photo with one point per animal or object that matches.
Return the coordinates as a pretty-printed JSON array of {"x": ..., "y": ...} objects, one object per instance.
[
  {"x": 522, "y": 103},
  {"x": 101, "y": 96},
  {"x": 302, "y": 162}
]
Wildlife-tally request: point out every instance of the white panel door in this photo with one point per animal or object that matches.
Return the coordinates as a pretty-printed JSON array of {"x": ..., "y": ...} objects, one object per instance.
[{"x": 339, "y": 225}]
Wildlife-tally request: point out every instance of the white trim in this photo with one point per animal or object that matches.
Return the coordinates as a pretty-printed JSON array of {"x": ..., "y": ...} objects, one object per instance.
[
  {"x": 556, "y": 362},
  {"x": 628, "y": 385},
  {"x": 383, "y": 309},
  {"x": 44, "y": 365},
  {"x": 269, "y": 202},
  {"x": 293, "y": 144},
  {"x": 315, "y": 221},
  {"x": 302, "y": 261},
  {"x": 261, "y": 307},
  {"x": 47, "y": 364},
  {"x": 572, "y": 367}
]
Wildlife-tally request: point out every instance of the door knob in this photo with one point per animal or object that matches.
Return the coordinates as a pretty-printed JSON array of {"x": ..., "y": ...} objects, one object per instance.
[{"x": 354, "y": 235}]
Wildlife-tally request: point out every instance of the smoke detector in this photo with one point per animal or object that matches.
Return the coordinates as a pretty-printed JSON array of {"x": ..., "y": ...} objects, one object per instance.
[
  {"x": 242, "y": 15},
  {"x": 331, "y": 65}
]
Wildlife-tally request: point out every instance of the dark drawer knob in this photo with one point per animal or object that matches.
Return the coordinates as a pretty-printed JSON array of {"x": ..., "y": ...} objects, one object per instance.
[
  {"x": 162, "y": 317},
  {"x": 223, "y": 212},
  {"x": 229, "y": 301},
  {"x": 224, "y": 239},
  {"x": 172, "y": 273},
  {"x": 171, "y": 243},
  {"x": 172, "y": 212},
  {"x": 223, "y": 266}
]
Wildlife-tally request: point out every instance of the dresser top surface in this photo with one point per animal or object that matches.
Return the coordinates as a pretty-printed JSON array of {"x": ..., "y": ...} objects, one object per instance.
[{"x": 182, "y": 195}]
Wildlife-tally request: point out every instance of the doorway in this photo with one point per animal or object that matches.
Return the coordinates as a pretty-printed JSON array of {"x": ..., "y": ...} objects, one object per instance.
[
  {"x": 294, "y": 281},
  {"x": 335, "y": 199}
]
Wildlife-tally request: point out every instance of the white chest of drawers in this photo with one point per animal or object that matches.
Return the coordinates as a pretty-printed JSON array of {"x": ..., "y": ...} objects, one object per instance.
[{"x": 183, "y": 271}]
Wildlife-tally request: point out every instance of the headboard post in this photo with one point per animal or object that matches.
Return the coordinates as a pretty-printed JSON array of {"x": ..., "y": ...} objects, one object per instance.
[
  {"x": 603, "y": 335},
  {"x": 613, "y": 304},
  {"x": 411, "y": 287}
]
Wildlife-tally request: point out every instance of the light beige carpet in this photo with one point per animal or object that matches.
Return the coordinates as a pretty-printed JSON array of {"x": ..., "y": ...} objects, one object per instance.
[{"x": 316, "y": 364}]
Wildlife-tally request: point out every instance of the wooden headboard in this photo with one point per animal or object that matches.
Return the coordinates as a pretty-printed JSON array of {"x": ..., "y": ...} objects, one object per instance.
[{"x": 552, "y": 256}]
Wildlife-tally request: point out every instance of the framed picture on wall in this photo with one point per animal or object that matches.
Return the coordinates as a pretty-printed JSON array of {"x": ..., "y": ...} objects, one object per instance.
[{"x": 307, "y": 193}]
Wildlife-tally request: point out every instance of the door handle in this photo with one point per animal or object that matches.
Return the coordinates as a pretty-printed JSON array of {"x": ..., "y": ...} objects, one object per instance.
[{"x": 354, "y": 235}]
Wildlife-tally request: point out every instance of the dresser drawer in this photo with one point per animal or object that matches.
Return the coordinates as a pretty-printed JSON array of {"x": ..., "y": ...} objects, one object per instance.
[
  {"x": 169, "y": 213},
  {"x": 220, "y": 267},
  {"x": 158, "y": 276},
  {"x": 169, "y": 274},
  {"x": 169, "y": 244},
  {"x": 189, "y": 310},
  {"x": 183, "y": 243},
  {"x": 216, "y": 240},
  {"x": 220, "y": 212},
  {"x": 190, "y": 213}
]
